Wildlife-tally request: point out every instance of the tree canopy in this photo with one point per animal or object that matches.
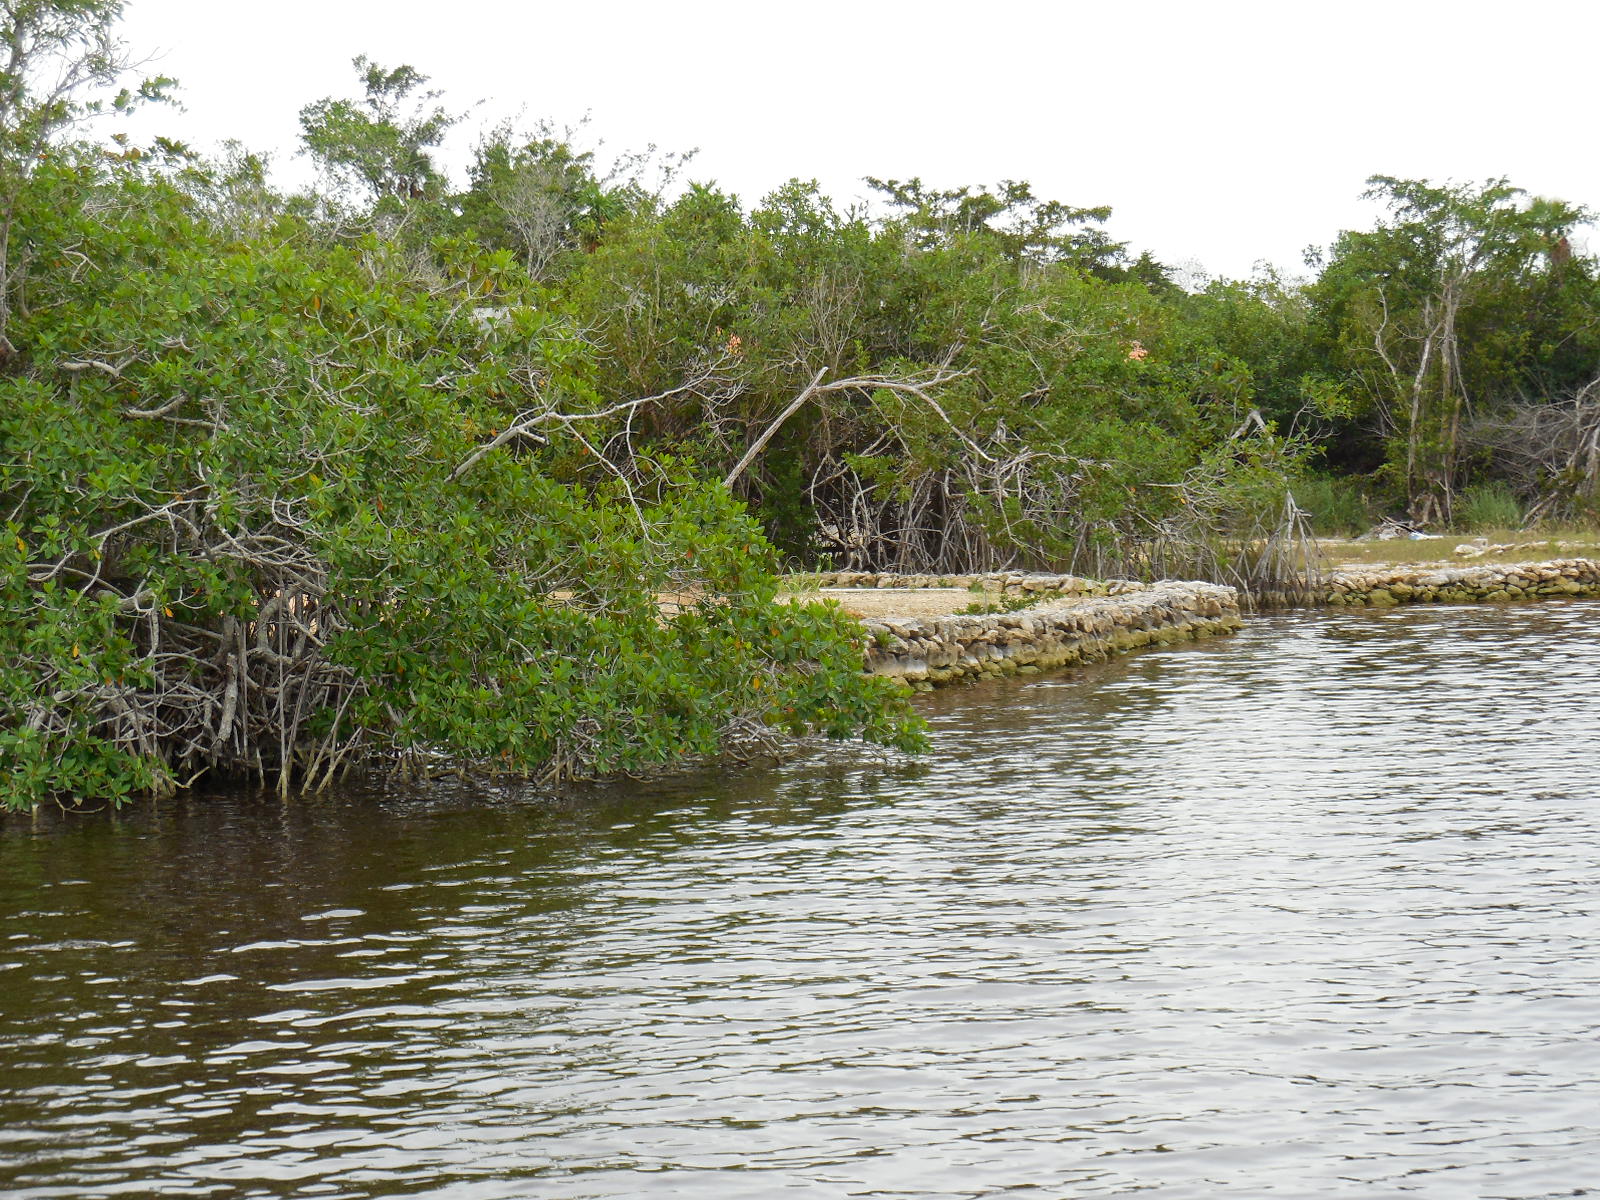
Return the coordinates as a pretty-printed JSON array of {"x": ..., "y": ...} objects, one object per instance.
[{"x": 416, "y": 473}]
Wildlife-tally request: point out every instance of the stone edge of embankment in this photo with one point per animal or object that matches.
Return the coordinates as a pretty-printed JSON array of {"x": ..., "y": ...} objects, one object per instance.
[
  {"x": 1092, "y": 619},
  {"x": 928, "y": 651},
  {"x": 1450, "y": 584}
]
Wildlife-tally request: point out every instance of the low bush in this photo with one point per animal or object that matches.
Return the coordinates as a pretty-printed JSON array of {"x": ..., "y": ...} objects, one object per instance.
[
  {"x": 1339, "y": 507},
  {"x": 1485, "y": 506}
]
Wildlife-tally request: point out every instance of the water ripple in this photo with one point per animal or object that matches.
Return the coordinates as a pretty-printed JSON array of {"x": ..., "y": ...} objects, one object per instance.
[{"x": 1306, "y": 912}]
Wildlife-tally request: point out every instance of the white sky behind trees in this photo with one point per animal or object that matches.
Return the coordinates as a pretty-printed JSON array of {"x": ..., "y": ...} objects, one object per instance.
[{"x": 1221, "y": 132}]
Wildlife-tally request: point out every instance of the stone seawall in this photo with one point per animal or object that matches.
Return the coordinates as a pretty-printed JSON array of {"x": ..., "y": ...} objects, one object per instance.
[
  {"x": 1081, "y": 620},
  {"x": 1385, "y": 586},
  {"x": 925, "y": 652}
]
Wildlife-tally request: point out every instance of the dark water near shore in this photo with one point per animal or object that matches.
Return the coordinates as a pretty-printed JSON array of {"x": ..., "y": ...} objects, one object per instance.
[{"x": 1310, "y": 911}]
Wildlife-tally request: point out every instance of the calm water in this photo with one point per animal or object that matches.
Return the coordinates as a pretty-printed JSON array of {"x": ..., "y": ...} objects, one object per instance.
[{"x": 1312, "y": 911}]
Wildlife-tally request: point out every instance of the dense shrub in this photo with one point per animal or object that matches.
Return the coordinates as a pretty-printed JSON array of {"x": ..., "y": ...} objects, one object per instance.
[{"x": 262, "y": 518}]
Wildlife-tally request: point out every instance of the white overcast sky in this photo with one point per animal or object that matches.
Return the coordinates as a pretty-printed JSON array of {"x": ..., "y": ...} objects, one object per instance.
[{"x": 1221, "y": 132}]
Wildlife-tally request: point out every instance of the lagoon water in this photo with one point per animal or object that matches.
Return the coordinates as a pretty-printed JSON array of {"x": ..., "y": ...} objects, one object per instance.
[{"x": 1310, "y": 911}]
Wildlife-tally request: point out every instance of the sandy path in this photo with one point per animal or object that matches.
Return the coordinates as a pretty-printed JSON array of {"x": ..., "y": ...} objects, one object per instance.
[{"x": 893, "y": 602}]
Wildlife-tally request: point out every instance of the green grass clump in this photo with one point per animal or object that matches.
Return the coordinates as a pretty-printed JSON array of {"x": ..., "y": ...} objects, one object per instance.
[
  {"x": 1004, "y": 604},
  {"x": 1485, "y": 506},
  {"x": 1339, "y": 507}
]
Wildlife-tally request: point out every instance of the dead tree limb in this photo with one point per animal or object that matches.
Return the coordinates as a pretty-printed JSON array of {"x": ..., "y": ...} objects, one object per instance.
[{"x": 919, "y": 387}]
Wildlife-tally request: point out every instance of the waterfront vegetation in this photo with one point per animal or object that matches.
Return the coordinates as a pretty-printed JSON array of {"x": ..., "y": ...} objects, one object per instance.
[{"x": 421, "y": 473}]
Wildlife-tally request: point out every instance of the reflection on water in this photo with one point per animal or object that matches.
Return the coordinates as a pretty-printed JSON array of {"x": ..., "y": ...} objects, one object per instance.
[{"x": 1306, "y": 912}]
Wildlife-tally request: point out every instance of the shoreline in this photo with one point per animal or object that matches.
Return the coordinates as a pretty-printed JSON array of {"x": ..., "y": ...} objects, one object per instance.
[
  {"x": 1561, "y": 578},
  {"x": 928, "y": 652},
  {"x": 916, "y": 632}
]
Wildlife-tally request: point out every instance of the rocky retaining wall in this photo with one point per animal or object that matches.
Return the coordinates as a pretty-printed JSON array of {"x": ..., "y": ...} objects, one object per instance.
[
  {"x": 1089, "y": 619},
  {"x": 929, "y": 651},
  {"x": 1381, "y": 587}
]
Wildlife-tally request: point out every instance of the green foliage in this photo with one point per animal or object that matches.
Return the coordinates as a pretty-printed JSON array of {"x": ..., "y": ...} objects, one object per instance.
[
  {"x": 380, "y": 143},
  {"x": 1024, "y": 228},
  {"x": 1338, "y": 506},
  {"x": 1005, "y": 604},
  {"x": 548, "y": 201},
  {"x": 53, "y": 54},
  {"x": 1466, "y": 298},
  {"x": 1084, "y": 386},
  {"x": 244, "y": 469},
  {"x": 1260, "y": 326},
  {"x": 289, "y": 489}
]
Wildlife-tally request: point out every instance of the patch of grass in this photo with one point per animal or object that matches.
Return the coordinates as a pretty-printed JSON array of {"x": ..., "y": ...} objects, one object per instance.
[
  {"x": 1486, "y": 506},
  {"x": 1004, "y": 604},
  {"x": 1525, "y": 547},
  {"x": 802, "y": 581},
  {"x": 1338, "y": 506}
]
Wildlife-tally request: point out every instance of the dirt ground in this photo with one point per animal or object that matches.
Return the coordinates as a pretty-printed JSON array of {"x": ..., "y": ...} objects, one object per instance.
[
  {"x": 1505, "y": 546},
  {"x": 894, "y": 602},
  {"x": 1338, "y": 554}
]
